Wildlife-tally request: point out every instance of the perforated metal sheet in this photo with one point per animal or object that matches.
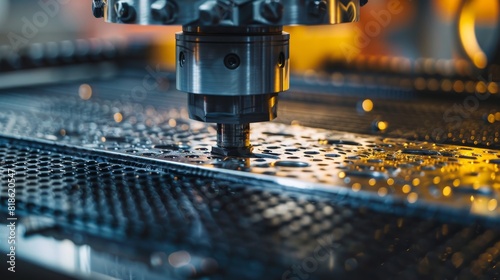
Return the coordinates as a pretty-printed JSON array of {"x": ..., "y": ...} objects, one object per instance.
[
  {"x": 227, "y": 226},
  {"x": 104, "y": 116}
]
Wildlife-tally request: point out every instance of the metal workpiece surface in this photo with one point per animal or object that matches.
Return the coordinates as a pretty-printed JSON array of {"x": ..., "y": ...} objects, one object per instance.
[
  {"x": 447, "y": 178},
  {"x": 126, "y": 217},
  {"x": 128, "y": 184}
]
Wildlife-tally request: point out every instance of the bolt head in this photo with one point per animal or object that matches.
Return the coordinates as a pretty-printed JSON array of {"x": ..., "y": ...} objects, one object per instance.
[
  {"x": 125, "y": 12},
  {"x": 210, "y": 13},
  {"x": 98, "y": 8},
  {"x": 272, "y": 10},
  {"x": 318, "y": 7},
  {"x": 164, "y": 11}
]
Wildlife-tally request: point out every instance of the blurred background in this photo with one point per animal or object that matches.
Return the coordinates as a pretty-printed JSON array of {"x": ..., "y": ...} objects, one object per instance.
[{"x": 441, "y": 29}]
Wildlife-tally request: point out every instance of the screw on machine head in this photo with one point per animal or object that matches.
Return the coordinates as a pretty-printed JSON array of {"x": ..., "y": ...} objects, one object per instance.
[
  {"x": 98, "y": 8},
  {"x": 317, "y": 8},
  {"x": 272, "y": 10},
  {"x": 211, "y": 13},
  {"x": 164, "y": 11},
  {"x": 125, "y": 12}
]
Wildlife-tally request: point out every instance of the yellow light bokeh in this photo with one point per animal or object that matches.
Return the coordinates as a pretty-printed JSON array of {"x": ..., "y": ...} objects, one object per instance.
[
  {"x": 382, "y": 192},
  {"x": 492, "y": 204},
  {"x": 493, "y": 88},
  {"x": 415, "y": 182},
  {"x": 367, "y": 105},
  {"x": 458, "y": 86},
  {"x": 481, "y": 87},
  {"x": 446, "y": 85},
  {"x": 406, "y": 188},
  {"x": 446, "y": 8},
  {"x": 473, "y": 12},
  {"x": 382, "y": 125},
  {"x": 491, "y": 118},
  {"x": 295, "y": 123},
  {"x": 470, "y": 86},
  {"x": 356, "y": 187},
  {"x": 436, "y": 180},
  {"x": 320, "y": 43},
  {"x": 433, "y": 84},
  {"x": 420, "y": 83},
  {"x": 118, "y": 117},
  {"x": 447, "y": 191},
  {"x": 412, "y": 197}
]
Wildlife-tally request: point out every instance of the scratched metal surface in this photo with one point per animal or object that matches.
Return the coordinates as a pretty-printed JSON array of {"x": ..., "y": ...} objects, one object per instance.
[{"x": 107, "y": 116}]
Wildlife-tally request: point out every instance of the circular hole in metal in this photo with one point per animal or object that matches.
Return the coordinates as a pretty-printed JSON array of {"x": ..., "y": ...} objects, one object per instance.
[
  {"x": 232, "y": 61},
  {"x": 289, "y": 163},
  {"x": 281, "y": 60},
  {"x": 182, "y": 59}
]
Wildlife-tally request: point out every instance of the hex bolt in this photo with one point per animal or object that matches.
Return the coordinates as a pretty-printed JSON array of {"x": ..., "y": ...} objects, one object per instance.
[
  {"x": 318, "y": 8},
  {"x": 98, "y": 8},
  {"x": 271, "y": 10},
  {"x": 125, "y": 12},
  {"x": 164, "y": 11},
  {"x": 210, "y": 13}
]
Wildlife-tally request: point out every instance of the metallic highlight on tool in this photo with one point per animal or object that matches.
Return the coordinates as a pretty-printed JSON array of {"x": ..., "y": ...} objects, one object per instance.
[{"x": 233, "y": 56}]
